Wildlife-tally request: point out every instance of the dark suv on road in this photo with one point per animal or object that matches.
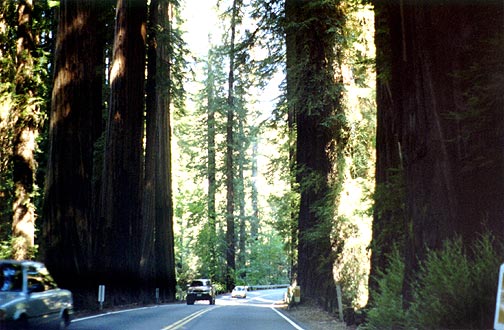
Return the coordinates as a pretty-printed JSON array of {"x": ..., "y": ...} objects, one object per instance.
[{"x": 200, "y": 289}]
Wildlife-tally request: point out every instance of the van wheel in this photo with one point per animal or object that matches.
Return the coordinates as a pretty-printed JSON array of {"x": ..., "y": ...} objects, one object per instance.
[
  {"x": 64, "y": 321},
  {"x": 22, "y": 323}
]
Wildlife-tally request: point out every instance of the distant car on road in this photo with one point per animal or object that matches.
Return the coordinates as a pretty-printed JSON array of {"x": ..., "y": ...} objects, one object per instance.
[
  {"x": 200, "y": 289},
  {"x": 239, "y": 292},
  {"x": 30, "y": 299}
]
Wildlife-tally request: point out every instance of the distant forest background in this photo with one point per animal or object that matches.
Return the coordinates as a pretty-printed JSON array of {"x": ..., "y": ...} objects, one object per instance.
[{"x": 316, "y": 143}]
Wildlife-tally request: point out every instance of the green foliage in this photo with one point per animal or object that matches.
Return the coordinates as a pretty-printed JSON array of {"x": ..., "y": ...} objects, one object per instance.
[
  {"x": 455, "y": 288},
  {"x": 389, "y": 204},
  {"x": 8, "y": 246},
  {"x": 5, "y": 249},
  {"x": 444, "y": 290},
  {"x": 267, "y": 262},
  {"x": 387, "y": 311}
]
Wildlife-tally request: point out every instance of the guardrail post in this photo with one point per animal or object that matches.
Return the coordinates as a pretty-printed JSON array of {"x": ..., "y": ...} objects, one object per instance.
[
  {"x": 340, "y": 301},
  {"x": 297, "y": 294},
  {"x": 101, "y": 295}
]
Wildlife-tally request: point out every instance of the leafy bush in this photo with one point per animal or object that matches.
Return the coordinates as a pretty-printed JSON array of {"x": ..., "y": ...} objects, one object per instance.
[
  {"x": 387, "y": 311},
  {"x": 5, "y": 249},
  {"x": 455, "y": 288},
  {"x": 443, "y": 292}
]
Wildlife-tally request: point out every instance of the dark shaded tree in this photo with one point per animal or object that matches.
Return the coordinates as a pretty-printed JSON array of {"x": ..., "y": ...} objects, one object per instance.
[
  {"x": 212, "y": 104},
  {"x": 314, "y": 89},
  {"x": 440, "y": 116},
  {"x": 158, "y": 261},
  {"x": 75, "y": 125},
  {"x": 230, "y": 149},
  {"x": 119, "y": 250},
  {"x": 388, "y": 210}
]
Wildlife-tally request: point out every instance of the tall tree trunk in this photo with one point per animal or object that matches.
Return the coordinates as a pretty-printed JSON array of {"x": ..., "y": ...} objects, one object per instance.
[
  {"x": 388, "y": 218},
  {"x": 26, "y": 131},
  {"x": 254, "y": 221},
  {"x": 75, "y": 125},
  {"x": 444, "y": 69},
  {"x": 164, "y": 238},
  {"x": 123, "y": 159},
  {"x": 148, "y": 259},
  {"x": 211, "y": 167},
  {"x": 242, "y": 238},
  {"x": 291, "y": 13},
  {"x": 316, "y": 95},
  {"x": 230, "y": 221}
]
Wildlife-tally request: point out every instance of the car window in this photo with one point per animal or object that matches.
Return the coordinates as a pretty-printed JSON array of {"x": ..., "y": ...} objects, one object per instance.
[
  {"x": 39, "y": 279},
  {"x": 11, "y": 278},
  {"x": 197, "y": 283}
]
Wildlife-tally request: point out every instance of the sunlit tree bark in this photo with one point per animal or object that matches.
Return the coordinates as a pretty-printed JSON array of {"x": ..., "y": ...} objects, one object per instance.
[{"x": 26, "y": 132}]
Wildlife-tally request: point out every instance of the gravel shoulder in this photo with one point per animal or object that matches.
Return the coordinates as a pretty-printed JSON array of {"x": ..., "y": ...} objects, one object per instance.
[{"x": 312, "y": 317}]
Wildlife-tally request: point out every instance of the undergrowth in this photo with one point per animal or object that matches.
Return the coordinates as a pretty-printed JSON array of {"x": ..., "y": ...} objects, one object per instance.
[{"x": 455, "y": 288}]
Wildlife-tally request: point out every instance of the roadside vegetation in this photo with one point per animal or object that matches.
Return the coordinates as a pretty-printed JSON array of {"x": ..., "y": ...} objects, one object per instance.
[{"x": 455, "y": 289}]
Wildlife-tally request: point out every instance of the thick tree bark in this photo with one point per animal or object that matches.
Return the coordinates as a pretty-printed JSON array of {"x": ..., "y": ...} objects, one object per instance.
[
  {"x": 75, "y": 125},
  {"x": 26, "y": 132},
  {"x": 315, "y": 94},
  {"x": 164, "y": 238},
  {"x": 291, "y": 14},
  {"x": 388, "y": 218},
  {"x": 123, "y": 159},
  {"x": 444, "y": 69}
]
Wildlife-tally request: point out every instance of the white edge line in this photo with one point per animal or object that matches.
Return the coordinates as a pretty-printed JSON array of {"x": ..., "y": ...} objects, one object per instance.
[
  {"x": 110, "y": 313},
  {"x": 287, "y": 319}
]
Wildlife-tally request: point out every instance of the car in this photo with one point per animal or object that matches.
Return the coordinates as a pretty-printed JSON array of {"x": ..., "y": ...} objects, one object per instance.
[
  {"x": 239, "y": 292},
  {"x": 30, "y": 298},
  {"x": 200, "y": 289}
]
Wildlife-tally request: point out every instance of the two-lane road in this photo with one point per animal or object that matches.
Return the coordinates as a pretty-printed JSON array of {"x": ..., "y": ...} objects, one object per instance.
[{"x": 257, "y": 311}]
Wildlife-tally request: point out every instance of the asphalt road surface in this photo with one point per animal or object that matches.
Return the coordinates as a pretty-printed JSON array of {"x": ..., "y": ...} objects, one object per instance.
[{"x": 257, "y": 311}]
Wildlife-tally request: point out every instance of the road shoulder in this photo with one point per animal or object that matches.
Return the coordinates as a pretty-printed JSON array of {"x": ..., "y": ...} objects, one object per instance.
[{"x": 313, "y": 317}]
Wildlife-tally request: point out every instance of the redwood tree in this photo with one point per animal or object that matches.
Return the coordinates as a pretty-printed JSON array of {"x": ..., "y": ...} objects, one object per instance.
[
  {"x": 158, "y": 256},
  {"x": 230, "y": 148},
  {"x": 120, "y": 247},
  {"x": 314, "y": 94},
  {"x": 26, "y": 129},
  {"x": 75, "y": 125},
  {"x": 440, "y": 116}
]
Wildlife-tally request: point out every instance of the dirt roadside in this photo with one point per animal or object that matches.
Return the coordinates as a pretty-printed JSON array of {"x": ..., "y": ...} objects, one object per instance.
[{"x": 312, "y": 317}]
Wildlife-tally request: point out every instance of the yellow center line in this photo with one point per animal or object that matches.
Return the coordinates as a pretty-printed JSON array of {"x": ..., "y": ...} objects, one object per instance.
[{"x": 187, "y": 319}]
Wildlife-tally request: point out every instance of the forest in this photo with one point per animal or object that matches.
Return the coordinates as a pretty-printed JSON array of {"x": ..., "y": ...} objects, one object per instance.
[{"x": 316, "y": 143}]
